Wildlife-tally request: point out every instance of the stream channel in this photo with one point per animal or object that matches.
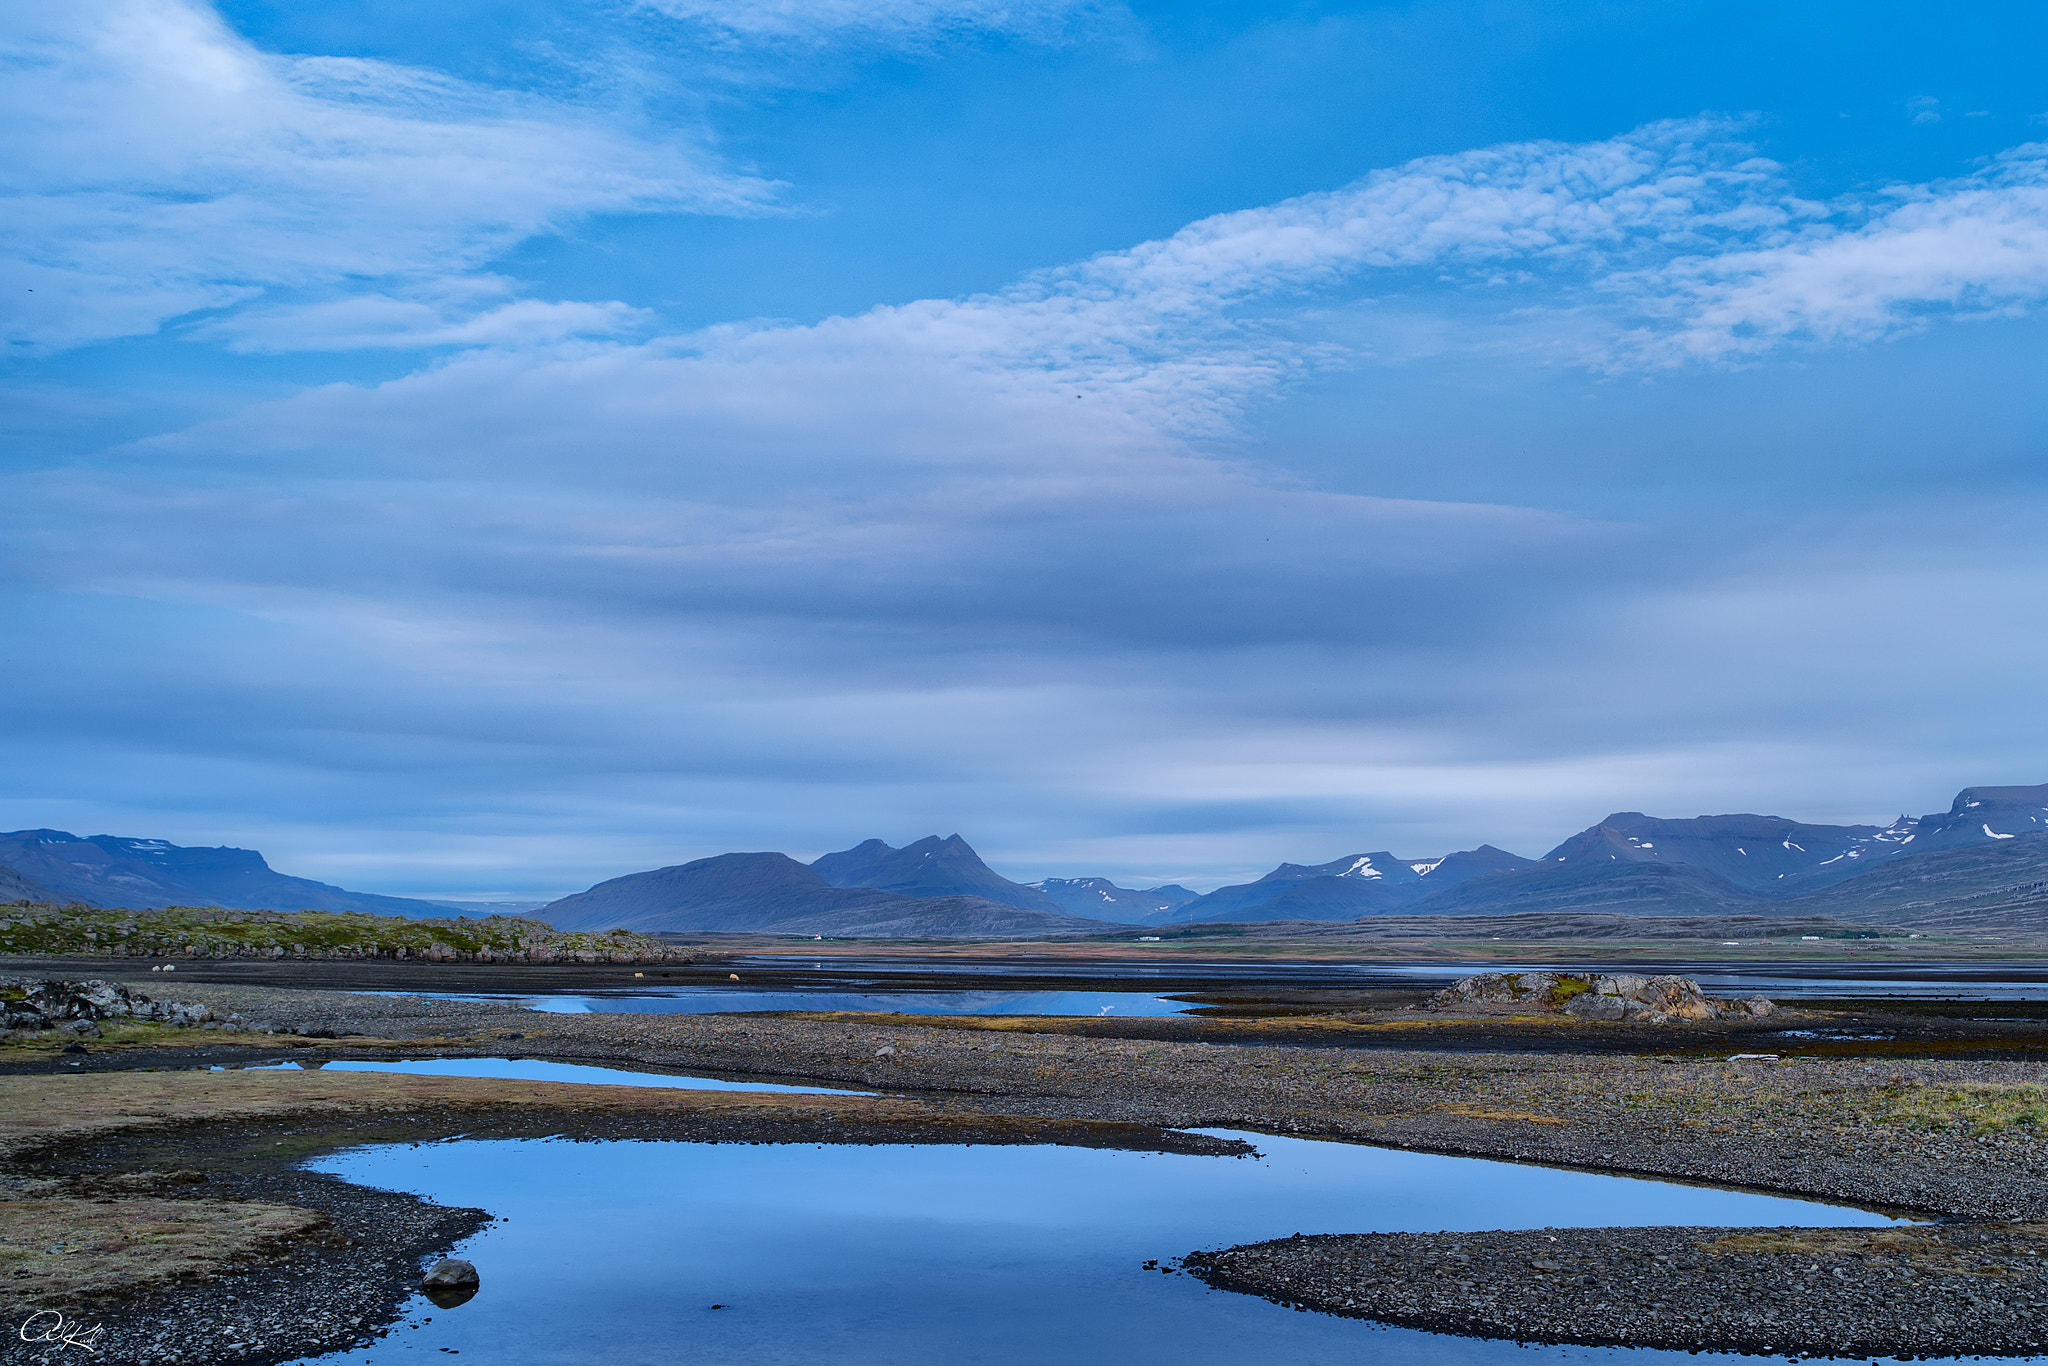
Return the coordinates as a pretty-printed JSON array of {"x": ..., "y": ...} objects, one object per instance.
[{"x": 945, "y": 1255}]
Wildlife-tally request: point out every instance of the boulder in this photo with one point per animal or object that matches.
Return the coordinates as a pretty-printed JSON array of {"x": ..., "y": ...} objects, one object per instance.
[
  {"x": 1592, "y": 1005},
  {"x": 49, "y": 1004},
  {"x": 1536, "y": 989},
  {"x": 450, "y": 1273}
]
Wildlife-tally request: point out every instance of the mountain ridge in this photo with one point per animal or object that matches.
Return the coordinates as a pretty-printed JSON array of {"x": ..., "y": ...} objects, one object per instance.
[
  {"x": 773, "y": 893},
  {"x": 124, "y": 870}
]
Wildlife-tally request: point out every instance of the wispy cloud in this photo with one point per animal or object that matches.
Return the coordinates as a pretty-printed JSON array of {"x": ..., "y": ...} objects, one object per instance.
[
  {"x": 159, "y": 164},
  {"x": 467, "y": 312},
  {"x": 1971, "y": 246},
  {"x": 900, "y": 22}
]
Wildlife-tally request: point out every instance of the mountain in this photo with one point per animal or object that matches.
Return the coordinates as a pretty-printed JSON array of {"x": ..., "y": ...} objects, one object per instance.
[
  {"x": 1342, "y": 889},
  {"x": 1985, "y": 815},
  {"x": 1098, "y": 895},
  {"x": 114, "y": 870},
  {"x": 15, "y": 887},
  {"x": 930, "y": 867},
  {"x": 1644, "y": 865},
  {"x": 1467, "y": 864},
  {"x": 773, "y": 893},
  {"x": 1985, "y": 884},
  {"x": 1621, "y": 887},
  {"x": 1756, "y": 853}
]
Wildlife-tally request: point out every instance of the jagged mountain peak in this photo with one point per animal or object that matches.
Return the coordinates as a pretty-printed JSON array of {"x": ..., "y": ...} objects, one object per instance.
[{"x": 929, "y": 867}]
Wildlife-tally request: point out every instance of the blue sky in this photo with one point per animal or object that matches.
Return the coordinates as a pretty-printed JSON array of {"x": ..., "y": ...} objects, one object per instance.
[{"x": 484, "y": 448}]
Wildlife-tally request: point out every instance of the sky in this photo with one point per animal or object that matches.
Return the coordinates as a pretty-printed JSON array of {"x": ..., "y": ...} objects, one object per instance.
[{"x": 479, "y": 449}]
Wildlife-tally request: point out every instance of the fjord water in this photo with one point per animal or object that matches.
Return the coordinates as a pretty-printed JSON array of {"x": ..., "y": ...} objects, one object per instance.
[{"x": 932, "y": 1255}]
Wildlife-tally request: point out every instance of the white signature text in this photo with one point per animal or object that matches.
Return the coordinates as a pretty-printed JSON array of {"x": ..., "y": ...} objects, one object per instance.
[{"x": 50, "y": 1326}]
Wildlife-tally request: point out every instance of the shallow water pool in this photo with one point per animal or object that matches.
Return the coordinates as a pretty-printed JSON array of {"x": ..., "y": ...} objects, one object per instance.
[
  {"x": 539, "y": 1069},
  {"x": 708, "y": 1000},
  {"x": 943, "y": 1254}
]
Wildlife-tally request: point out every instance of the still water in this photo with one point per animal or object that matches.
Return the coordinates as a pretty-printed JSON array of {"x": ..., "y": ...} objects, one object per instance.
[
  {"x": 539, "y": 1069},
  {"x": 708, "y": 1000},
  {"x": 932, "y": 1255}
]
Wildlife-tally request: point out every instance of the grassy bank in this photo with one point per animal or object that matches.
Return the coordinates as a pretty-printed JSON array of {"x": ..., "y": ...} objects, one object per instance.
[{"x": 32, "y": 927}]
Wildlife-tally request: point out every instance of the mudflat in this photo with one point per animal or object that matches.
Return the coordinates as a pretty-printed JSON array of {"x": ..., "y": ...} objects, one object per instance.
[{"x": 1946, "y": 1127}]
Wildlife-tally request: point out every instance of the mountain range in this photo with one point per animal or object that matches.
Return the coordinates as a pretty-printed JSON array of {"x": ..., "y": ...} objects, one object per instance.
[
  {"x": 1100, "y": 896},
  {"x": 1982, "y": 863},
  {"x": 116, "y": 870},
  {"x": 932, "y": 888}
]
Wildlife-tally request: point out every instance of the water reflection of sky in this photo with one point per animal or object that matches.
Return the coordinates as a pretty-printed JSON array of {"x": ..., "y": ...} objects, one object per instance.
[
  {"x": 711, "y": 999},
  {"x": 541, "y": 1069},
  {"x": 945, "y": 1255}
]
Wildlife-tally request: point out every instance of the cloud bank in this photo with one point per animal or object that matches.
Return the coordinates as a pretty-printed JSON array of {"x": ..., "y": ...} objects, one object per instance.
[{"x": 580, "y": 597}]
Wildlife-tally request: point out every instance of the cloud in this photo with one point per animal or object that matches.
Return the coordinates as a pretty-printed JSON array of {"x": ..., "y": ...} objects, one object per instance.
[
  {"x": 899, "y": 22},
  {"x": 473, "y": 313},
  {"x": 1972, "y": 246},
  {"x": 159, "y": 164},
  {"x": 1011, "y": 562}
]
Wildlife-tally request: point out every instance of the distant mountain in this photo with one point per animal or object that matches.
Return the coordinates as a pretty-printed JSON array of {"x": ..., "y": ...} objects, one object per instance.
[
  {"x": 1754, "y": 852},
  {"x": 930, "y": 867},
  {"x": 1643, "y": 865},
  {"x": 15, "y": 887},
  {"x": 1985, "y": 884},
  {"x": 1342, "y": 889},
  {"x": 773, "y": 893},
  {"x": 1467, "y": 864},
  {"x": 1620, "y": 887},
  {"x": 115, "y": 870},
  {"x": 1984, "y": 815},
  {"x": 1099, "y": 896}
]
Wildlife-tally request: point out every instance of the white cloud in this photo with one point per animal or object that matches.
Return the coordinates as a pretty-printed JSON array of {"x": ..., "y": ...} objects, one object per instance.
[
  {"x": 1161, "y": 329},
  {"x": 160, "y": 164},
  {"x": 1972, "y": 246},
  {"x": 438, "y": 316},
  {"x": 896, "y": 21},
  {"x": 957, "y": 563}
]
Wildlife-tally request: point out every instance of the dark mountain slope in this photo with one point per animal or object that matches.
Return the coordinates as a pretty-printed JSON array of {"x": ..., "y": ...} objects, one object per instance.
[
  {"x": 727, "y": 892},
  {"x": 773, "y": 893},
  {"x": 1754, "y": 852},
  {"x": 15, "y": 887},
  {"x": 1985, "y": 815},
  {"x": 1986, "y": 884},
  {"x": 113, "y": 870},
  {"x": 930, "y": 867},
  {"x": 1342, "y": 889},
  {"x": 1467, "y": 864},
  {"x": 1099, "y": 896},
  {"x": 1620, "y": 886}
]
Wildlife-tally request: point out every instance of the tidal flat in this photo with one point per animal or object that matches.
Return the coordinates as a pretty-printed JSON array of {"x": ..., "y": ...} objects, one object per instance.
[{"x": 1945, "y": 1130}]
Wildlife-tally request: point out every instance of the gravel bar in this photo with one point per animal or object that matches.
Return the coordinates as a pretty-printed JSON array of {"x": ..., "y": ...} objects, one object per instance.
[{"x": 1928, "y": 1290}]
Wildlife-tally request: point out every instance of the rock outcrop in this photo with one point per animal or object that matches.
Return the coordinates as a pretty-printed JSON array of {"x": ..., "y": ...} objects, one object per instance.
[
  {"x": 78, "y": 1007},
  {"x": 1616, "y": 996}
]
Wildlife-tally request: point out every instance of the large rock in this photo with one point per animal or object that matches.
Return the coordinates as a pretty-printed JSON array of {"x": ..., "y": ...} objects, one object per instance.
[
  {"x": 450, "y": 1273},
  {"x": 52, "y": 1004},
  {"x": 1608, "y": 996}
]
